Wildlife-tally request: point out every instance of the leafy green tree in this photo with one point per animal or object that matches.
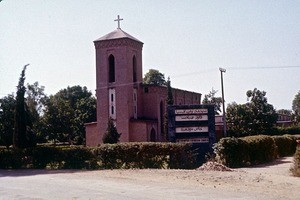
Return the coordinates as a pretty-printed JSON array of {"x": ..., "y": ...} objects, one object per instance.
[
  {"x": 296, "y": 108},
  {"x": 238, "y": 117},
  {"x": 23, "y": 136},
  {"x": 154, "y": 77},
  {"x": 66, "y": 112},
  {"x": 7, "y": 113},
  {"x": 111, "y": 135},
  {"x": 211, "y": 99},
  {"x": 257, "y": 116},
  {"x": 35, "y": 100}
]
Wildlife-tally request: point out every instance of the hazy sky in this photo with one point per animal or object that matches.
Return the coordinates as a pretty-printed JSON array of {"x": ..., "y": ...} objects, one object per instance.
[{"x": 258, "y": 42}]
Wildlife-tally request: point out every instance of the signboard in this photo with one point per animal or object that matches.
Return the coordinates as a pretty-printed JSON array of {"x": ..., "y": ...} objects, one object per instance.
[{"x": 193, "y": 124}]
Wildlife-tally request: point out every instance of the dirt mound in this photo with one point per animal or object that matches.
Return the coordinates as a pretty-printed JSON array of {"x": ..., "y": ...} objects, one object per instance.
[{"x": 214, "y": 166}]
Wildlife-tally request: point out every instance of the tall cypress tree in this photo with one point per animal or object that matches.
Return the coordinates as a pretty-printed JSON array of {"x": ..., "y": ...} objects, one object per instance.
[
  {"x": 22, "y": 121},
  {"x": 169, "y": 101}
]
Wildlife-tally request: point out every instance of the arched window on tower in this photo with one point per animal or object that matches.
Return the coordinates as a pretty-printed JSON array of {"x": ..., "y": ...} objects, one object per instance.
[
  {"x": 134, "y": 69},
  {"x": 111, "y": 69}
]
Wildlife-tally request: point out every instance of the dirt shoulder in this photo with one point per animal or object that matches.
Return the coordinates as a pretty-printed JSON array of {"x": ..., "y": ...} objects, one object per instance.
[{"x": 272, "y": 181}]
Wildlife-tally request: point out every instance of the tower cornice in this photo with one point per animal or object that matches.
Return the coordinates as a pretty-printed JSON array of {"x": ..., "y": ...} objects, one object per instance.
[{"x": 118, "y": 42}]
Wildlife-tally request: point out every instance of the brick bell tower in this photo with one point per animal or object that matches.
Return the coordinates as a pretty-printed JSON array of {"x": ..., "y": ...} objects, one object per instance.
[{"x": 118, "y": 78}]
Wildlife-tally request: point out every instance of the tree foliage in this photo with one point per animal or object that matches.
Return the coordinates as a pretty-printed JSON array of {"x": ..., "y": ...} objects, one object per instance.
[
  {"x": 66, "y": 112},
  {"x": 257, "y": 116},
  {"x": 296, "y": 108},
  {"x": 35, "y": 100},
  {"x": 111, "y": 135},
  {"x": 154, "y": 77},
  {"x": 169, "y": 101},
  {"x": 211, "y": 99},
  {"x": 7, "y": 110},
  {"x": 23, "y": 135}
]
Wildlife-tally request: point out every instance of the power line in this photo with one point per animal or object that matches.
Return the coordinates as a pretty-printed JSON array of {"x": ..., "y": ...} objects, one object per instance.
[
  {"x": 234, "y": 68},
  {"x": 262, "y": 67}
]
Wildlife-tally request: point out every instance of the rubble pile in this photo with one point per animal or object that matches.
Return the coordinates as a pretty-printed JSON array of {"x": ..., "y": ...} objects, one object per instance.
[{"x": 214, "y": 166}]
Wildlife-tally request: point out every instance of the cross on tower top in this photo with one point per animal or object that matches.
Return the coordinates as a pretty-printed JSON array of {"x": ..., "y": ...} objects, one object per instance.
[{"x": 118, "y": 20}]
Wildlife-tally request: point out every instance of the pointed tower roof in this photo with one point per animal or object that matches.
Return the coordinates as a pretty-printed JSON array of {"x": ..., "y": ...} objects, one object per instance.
[{"x": 117, "y": 34}]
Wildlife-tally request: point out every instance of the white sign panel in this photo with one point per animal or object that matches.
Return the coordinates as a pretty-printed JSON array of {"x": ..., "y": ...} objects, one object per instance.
[
  {"x": 195, "y": 129},
  {"x": 190, "y": 111},
  {"x": 191, "y": 118}
]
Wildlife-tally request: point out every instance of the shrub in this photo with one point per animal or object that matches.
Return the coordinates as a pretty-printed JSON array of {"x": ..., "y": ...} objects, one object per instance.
[
  {"x": 146, "y": 155},
  {"x": 232, "y": 152},
  {"x": 286, "y": 145},
  {"x": 251, "y": 150},
  {"x": 41, "y": 157},
  {"x": 10, "y": 159},
  {"x": 261, "y": 149},
  {"x": 296, "y": 165},
  {"x": 78, "y": 158},
  {"x": 108, "y": 156}
]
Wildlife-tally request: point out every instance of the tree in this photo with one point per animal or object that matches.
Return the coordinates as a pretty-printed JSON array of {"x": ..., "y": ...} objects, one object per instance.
[
  {"x": 35, "y": 100},
  {"x": 238, "y": 117},
  {"x": 111, "y": 135},
  {"x": 7, "y": 113},
  {"x": 154, "y": 77},
  {"x": 211, "y": 99},
  {"x": 66, "y": 112},
  {"x": 296, "y": 108},
  {"x": 254, "y": 117},
  {"x": 23, "y": 135},
  {"x": 169, "y": 101}
]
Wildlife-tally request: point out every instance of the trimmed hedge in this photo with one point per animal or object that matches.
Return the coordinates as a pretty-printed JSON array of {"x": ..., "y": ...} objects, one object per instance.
[
  {"x": 106, "y": 156},
  {"x": 251, "y": 150},
  {"x": 296, "y": 165},
  {"x": 146, "y": 155}
]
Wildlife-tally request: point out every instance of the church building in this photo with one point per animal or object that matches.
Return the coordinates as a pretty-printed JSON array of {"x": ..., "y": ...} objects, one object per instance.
[{"x": 137, "y": 109}]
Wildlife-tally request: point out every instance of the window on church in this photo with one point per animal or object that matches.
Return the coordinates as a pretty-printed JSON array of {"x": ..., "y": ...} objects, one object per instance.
[
  {"x": 112, "y": 103},
  {"x": 111, "y": 68},
  {"x": 134, "y": 69}
]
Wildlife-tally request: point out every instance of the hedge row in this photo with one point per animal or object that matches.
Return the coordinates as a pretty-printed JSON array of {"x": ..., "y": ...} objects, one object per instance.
[
  {"x": 296, "y": 165},
  {"x": 251, "y": 150},
  {"x": 106, "y": 156}
]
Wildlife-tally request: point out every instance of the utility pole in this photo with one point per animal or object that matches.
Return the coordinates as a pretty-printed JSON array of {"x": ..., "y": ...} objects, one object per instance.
[{"x": 222, "y": 70}]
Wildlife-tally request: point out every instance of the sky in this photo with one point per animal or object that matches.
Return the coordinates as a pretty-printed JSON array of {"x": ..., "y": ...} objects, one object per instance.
[{"x": 257, "y": 42}]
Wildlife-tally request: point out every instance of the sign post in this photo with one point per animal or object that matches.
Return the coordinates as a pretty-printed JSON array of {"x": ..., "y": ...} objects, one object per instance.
[{"x": 193, "y": 124}]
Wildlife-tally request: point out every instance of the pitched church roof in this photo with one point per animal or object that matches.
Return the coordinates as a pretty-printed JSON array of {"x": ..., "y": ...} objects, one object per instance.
[{"x": 117, "y": 34}]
